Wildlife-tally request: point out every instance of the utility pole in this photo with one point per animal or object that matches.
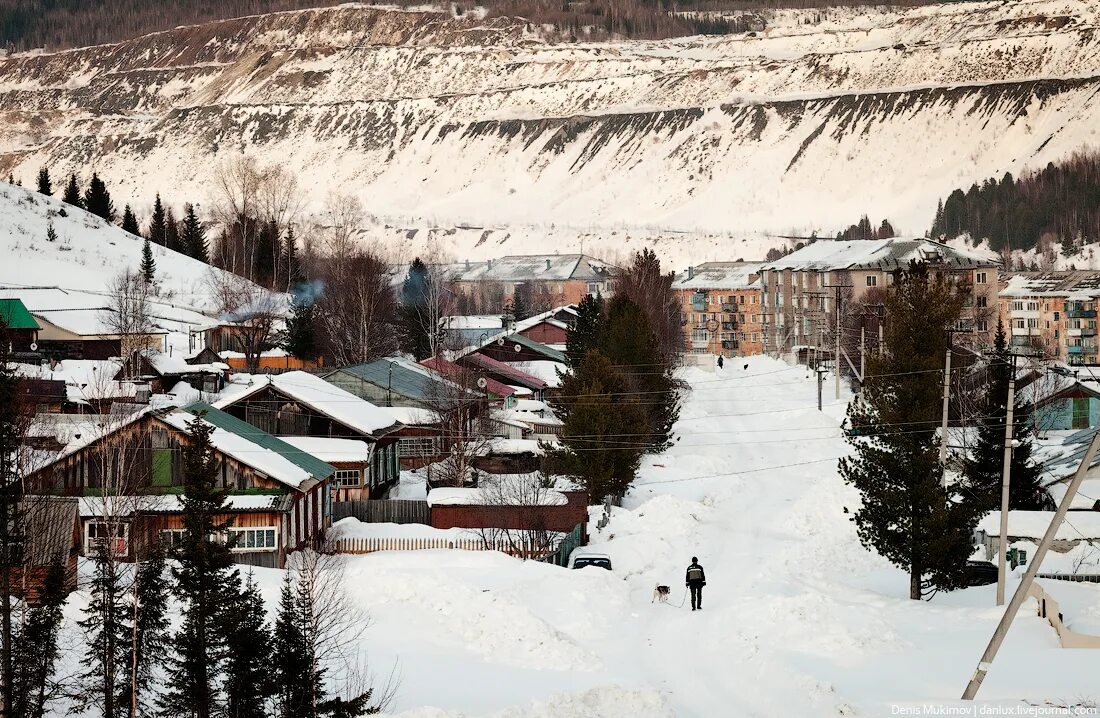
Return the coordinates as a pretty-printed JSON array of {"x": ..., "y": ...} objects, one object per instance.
[
  {"x": 1029, "y": 577},
  {"x": 836, "y": 349},
  {"x": 862, "y": 355},
  {"x": 1006, "y": 472},
  {"x": 946, "y": 406},
  {"x": 820, "y": 381}
]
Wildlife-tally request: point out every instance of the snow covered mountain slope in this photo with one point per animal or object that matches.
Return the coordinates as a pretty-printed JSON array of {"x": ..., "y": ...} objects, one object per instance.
[
  {"x": 440, "y": 122},
  {"x": 86, "y": 256}
]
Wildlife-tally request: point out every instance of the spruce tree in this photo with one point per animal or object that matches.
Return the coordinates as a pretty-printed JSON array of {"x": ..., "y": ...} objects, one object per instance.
[
  {"x": 984, "y": 466},
  {"x": 97, "y": 199},
  {"x": 202, "y": 585},
  {"x": 605, "y": 428},
  {"x": 194, "y": 235},
  {"x": 249, "y": 681},
  {"x": 45, "y": 186},
  {"x": 129, "y": 222},
  {"x": 146, "y": 633},
  {"x": 157, "y": 223},
  {"x": 292, "y": 266},
  {"x": 584, "y": 335},
  {"x": 37, "y": 646},
  {"x": 521, "y": 302},
  {"x": 418, "y": 335},
  {"x": 906, "y": 514},
  {"x": 104, "y": 629},
  {"x": 292, "y": 670},
  {"x": 148, "y": 265},
  {"x": 51, "y": 233},
  {"x": 301, "y": 334},
  {"x": 173, "y": 240},
  {"x": 72, "y": 193}
]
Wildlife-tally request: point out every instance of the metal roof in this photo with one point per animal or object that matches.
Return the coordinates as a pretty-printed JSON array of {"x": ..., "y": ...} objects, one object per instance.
[
  {"x": 538, "y": 347},
  {"x": 16, "y": 316},
  {"x": 307, "y": 462},
  {"x": 876, "y": 254},
  {"x": 402, "y": 378}
]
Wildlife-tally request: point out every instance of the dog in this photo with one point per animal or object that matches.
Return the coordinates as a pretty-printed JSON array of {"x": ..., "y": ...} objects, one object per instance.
[{"x": 660, "y": 594}]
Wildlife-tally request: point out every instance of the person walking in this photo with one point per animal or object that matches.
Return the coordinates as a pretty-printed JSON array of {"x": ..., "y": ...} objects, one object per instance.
[
  {"x": 695, "y": 580},
  {"x": 721, "y": 361}
]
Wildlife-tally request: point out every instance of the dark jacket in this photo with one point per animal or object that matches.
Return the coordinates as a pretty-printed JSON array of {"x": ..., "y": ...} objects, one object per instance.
[{"x": 695, "y": 576}]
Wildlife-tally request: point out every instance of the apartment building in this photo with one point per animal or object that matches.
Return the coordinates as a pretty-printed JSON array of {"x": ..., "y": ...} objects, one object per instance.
[
  {"x": 1053, "y": 313},
  {"x": 720, "y": 308},
  {"x": 545, "y": 280},
  {"x": 800, "y": 291}
]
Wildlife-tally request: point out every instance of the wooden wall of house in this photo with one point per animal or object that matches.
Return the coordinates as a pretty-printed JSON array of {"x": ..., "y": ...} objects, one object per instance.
[
  {"x": 281, "y": 416},
  {"x": 546, "y": 333}
]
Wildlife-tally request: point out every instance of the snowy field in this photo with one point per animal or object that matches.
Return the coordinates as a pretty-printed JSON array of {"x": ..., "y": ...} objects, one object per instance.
[{"x": 799, "y": 619}]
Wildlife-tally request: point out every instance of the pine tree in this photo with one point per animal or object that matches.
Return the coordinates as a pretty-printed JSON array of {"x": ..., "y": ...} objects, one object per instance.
[
  {"x": 301, "y": 334},
  {"x": 292, "y": 266},
  {"x": 584, "y": 335},
  {"x": 44, "y": 185},
  {"x": 906, "y": 514},
  {"x": 202, "y": 585},
  {"x": 105, "y": 635},
  {"x": 292, "y": 671},
  {"x": 983, "y": 468},
  {"x": 97, "y": 199},
  {"x": 51, "y": 233},
  {"x": 419, "y": 336},
  {"x": 249, "y": 684},
  {"x": 521, "y": 302},
  {"x": 194, "y": 235},
  {"x": 148, "y": 265},
  {"x": 598, "y": 411},
  {"x": 629, "y": 342},
  {"x": 37, "y": 646},
  {"x": 130, "y": 222},
  {"x": 72, "y": 193},
  {"x": 173, "y": 240},
  {"x": 157, "y": 224},
  {"x": 146, "y": 633}
]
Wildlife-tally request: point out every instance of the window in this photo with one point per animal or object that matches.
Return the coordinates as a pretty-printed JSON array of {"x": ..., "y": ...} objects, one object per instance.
[
  {"x": 741, "y": 299},
  {"x": 1018, "y": 323},
  {"x": 1032, "y": 323},
  {"x": 979, "y": 277},
  {"x": 103, "y": 534},
  {"x": 1056, "y": 316},
  {"x": 981, "y": 301},
  {"x": 1033, "y": 306},
  {"x": 348, "y": 477},
  {"x": 1017, "y": 306},
  {"x": 171, "y": 538},
  {"x": 983, "y": 325},
  {"x": 593, "y": 288},
  {"x": 253, "y": 539},
  {"x": 697, "y": 335},
  {"x": 872, "y": 280},
  {"x": 420, "y": 445}
]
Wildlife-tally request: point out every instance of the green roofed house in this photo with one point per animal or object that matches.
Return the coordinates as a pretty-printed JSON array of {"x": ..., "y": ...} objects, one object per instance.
[
  {"x": 278, "y": 495},
  {"x": 19, "y": 325}
]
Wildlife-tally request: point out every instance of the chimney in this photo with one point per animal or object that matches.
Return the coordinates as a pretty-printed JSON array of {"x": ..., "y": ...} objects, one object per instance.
[
  {"x": 691, "y": 272},
  {"x": 548, "y": 264},
  {"x": 489, "y": 263},
  {"x": 467, "y": 265}
]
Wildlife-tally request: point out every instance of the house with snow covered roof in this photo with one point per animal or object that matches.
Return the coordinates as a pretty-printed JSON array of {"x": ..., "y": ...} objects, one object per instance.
[
  {"x": 544, "y": 280},
  {"x": 129, "y": 471},
  {"x": 301, "y": 404},
  {"x": 20, "y": 329},
  {"x": 720, "y": 308},
  {"x": 163, "y": 371},
  {"x": 1053, "y": 312},
  {"x": 800, "y": 290}
]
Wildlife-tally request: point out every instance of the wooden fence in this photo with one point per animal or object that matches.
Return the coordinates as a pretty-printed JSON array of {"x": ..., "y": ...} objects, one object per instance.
[
  {"x": 383, "y": 511},
  {"x": 370, "y": 545}
]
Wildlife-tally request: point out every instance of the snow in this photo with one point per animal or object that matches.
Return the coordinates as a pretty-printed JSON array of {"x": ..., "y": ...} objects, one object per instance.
[
  {"x": 1033, "y": 524},
  {"x": 92, "y": 506},
  {"x": 353, "y": 528},
  {"x": 719, "y": 275},
  {"x": 872, "y": 253},
  {"x": 331, "y": 450},
  {"x": 543, "y": 369},
  {"x": 449, "y": 496},
  {"x": 315, "y": 392},
  {"x": 413, "y": 415}
]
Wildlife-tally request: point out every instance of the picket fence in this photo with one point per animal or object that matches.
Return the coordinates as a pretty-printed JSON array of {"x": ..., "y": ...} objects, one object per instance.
[{"x": 371, "y": 545}]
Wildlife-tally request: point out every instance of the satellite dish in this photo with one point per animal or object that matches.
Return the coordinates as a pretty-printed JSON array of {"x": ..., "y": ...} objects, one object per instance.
[
  {"x": 481, "y": 383},
  {"x": 517, "y": 348},
  {"x": 500, "y": 342},
  {"x": 34, "y": 346}
]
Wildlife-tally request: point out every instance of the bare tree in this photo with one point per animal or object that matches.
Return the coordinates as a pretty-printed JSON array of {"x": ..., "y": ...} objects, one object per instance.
[
  {"x": 255, "y": 315},
  {"x": 128, "y": 313},
  {"x": 458, "y": 401},
  {"x": 514, "y": 505},
  {"x": 356, "y": 307}
]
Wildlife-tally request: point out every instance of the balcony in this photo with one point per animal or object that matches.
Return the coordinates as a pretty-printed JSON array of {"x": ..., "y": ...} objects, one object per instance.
[
  {"x": 729, "y": 326},
  {"x": 1083, "y": 349},
  {"x": 1081, "y": 332},
  {"x": 1081, "y": 313},
  {"x": 729, "y": 344},
  {"x": 729, "y": 308}
]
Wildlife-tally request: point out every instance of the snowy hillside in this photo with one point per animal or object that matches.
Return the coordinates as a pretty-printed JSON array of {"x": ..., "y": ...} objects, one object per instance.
[
  {"x": 86, "y": 256},
  {"x": 439, "y": 122}
]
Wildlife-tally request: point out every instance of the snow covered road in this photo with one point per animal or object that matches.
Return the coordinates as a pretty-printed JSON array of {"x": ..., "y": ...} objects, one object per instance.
[{"x": 799, "y": 619}]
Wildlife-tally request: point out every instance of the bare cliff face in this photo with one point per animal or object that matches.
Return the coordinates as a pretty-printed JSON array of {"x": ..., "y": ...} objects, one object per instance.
[{"x": 483, "y": 135}]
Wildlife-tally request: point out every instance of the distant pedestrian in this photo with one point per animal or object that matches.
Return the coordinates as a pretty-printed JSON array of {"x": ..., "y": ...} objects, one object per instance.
[
  {"x": 720, "y": 361},
  {"x": 695, "y": 580}
]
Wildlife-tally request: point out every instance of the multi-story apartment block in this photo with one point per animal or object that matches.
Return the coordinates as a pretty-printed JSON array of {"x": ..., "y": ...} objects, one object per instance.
[
  {"x": 1053, "y": 313},
  {"x": 547, "y": 280},
  {"x": 720, "y": 308},
  {"x": 800, "y": 290}
]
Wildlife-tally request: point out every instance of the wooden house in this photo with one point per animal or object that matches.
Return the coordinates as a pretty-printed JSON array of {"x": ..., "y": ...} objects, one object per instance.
[
  {"x": 301, "y": 404},
  {"x": 505, "y": 374},
  {"x": 162, "y": 371},
  {"x": 20, "y": 328},
  {"x": 50, "y": 531},
  {"x": 351, "y": 458},
  {"x": 279, "y": 496}
]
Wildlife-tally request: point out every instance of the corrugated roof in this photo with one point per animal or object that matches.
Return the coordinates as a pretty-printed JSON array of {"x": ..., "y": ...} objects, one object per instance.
[
  {"x": 536, "y": 267},
  {"x": 517, "y": 376},
  {"x": 719, "y": 275},
  {"x": 307, "y": 462},
  {"x": 1079, "y": 285},
  {"x": 492, "y": 386},
  {"x": 882, "y": 254},
  {"x": 16, "y": 316},
  {"x": 539, "y": 347},
  {"x": 403, "y": 378}
]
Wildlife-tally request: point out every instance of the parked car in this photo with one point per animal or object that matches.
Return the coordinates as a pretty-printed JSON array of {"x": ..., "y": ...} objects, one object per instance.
[
  {"x": 980, "y": 573},
  {"x": 581, "y": 559}
]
